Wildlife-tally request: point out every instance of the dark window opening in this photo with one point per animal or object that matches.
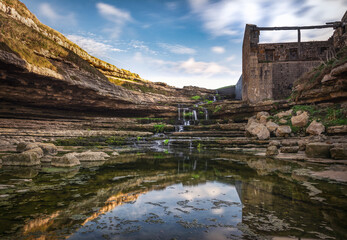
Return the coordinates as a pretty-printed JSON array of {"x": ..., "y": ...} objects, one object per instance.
[
  {"x": 322, "y": 50},
  {"x": 269, "y": 54},
  {"x": 293, "y": 54}
]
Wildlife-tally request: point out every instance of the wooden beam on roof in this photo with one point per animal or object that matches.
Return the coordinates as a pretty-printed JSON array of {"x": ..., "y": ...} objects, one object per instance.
[{"x": 328, "y": 25}]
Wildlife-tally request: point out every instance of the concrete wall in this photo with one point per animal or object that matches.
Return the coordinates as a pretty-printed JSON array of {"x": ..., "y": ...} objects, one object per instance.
[{"x": 238, "y": 89}]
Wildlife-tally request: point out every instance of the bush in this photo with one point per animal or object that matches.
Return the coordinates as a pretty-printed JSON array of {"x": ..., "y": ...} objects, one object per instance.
[
  {"x": 196, "y": 98},
  {"x": 159, "y": 128}
]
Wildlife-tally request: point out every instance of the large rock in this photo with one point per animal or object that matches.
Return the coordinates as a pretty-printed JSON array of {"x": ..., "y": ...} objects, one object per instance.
[
  {"x": 48, "y": 148},
  {"x": 91, "y": 156},
  {"x": 68, "y": 160},
  {"x": 283, "y": 131},
  {"x": 24, "y": 146},
  {"x": 38, "y": 151},
  {"x": 271, "y": 151},
  {"x": 258, "y": 130},
  {"x": 284, "y": 113},
  {"x": 315, "y": 128},
  {"x": 318, "y": 150},
  {"x": 27, "y": 158},
  {"x": 275, "y": 143},
  {"x": 300, "y": 120},
  {"x": 289, "y": 142},
  {"x": 271, "y": 126},
  {"x": 339, "y": 152}
]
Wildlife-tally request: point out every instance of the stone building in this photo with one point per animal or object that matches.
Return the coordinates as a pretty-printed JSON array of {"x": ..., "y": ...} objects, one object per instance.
[{"x": 269, "y": 70}]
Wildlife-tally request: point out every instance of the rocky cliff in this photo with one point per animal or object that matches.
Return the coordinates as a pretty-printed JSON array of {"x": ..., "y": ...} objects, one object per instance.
[{"x": 40, "y": 68}]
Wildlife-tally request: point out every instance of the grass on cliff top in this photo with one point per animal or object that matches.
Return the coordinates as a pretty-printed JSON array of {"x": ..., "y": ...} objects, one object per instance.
[{"x": 312, "y": 79}]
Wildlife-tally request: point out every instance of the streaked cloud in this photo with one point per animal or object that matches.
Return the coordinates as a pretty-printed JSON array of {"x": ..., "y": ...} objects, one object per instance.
[
  {"x": 218, "y": 49},
  {"x": 202, "y": 68},
  {"x": 118, "y": 17},
  {"x": 93, "y": 46},
  {"x": 48, "y": 12},
  {"x": 177, "y": 49}
]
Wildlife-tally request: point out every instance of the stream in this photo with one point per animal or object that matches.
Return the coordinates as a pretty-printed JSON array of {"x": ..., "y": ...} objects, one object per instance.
[{"x": 178, "y": 194}]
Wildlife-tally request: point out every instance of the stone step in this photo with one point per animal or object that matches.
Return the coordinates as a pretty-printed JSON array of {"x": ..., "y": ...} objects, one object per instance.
[{"x": 210, "y": 133}]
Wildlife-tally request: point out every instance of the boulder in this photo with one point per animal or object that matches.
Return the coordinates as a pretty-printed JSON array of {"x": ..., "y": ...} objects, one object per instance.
[
  {"x": 289, "y": 149},
  {"x": 339, "y": 152},
  {"x": 283, "y": 131},
  {"x": 115, "y": 154},
  {"x": 262, "y": 114},
  {"x": 24, "y": 146},
  {"x": 48, "y": 148},
  {"x": 258, "y": 130},
  {"x": 318, "y": 150},
  {"x": 27, "y": 158},
  {"x": 271, "y": 151},
  {"x": 91, "y": 156},
  {"x": 250, "y": 121},
  {"x": 300, "y": 120},
  {"x": 275, "y": 143},
  {"x": 68, "y": 160},
  {"x": 271, "y": 126},
  {"x": 284, "y": 113},
  {"x": 38, "y": 151},
  {"x": 263, "y": 119},
  {"x": 315, "y": 128}
]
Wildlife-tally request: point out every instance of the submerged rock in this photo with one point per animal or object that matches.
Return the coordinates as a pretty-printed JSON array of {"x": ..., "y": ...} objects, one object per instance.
[
  {"x": 271, "y": 151},
  {"x": 68, "y": 160},
  {"x": 27, "y": 158},
  {"x": 24, "y": 146},
  {"x": 48, "y": 148},
  {"x": 315, "y": 128},
  {"x": 300, "y": 120},
  {"x": 318, "y": 150},
  {"x": 91, "y": 156},
  {"x": 283, "y": 131}
]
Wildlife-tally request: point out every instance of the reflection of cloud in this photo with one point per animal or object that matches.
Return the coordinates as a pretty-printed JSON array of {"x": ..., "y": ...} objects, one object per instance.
[
  {"x": 49, "y": 13},
  {"x": 177, "y": 49},
  {"x": 93, "y": 46},
  {"x": 224, "y": 17},
  {"x": 115, "y": 15}
]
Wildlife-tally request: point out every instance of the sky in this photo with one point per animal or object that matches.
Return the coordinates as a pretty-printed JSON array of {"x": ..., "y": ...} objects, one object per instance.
[{"x": 181, "y": 42}]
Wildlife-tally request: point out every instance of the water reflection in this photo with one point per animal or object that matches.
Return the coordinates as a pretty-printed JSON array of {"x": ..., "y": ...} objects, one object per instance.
[{"x": 181, "y": 195}]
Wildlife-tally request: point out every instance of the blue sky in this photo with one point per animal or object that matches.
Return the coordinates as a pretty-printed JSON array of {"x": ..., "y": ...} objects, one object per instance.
[{"x": 180, "y": 42}]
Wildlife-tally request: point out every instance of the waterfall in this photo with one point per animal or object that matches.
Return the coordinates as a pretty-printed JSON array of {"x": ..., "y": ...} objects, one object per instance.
[
  {"x": 206, "y": 114},
  {"x": 214, "y": 98},
  {"x": 195, "y": 115},
  {"x": 179, "y": 112}
]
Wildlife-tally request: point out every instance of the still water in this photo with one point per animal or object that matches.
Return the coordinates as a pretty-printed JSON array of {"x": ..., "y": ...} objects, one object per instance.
[{"x": 180, "y": 195}]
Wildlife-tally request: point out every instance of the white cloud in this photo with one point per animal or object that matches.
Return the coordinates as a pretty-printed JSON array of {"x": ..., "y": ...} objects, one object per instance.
[
  {"x": 231, "y": 58},
  {"x": 140, "y": 45},
  {"x": 47, "y": 11},
  {"x": 217, "y": 49},
  {"x": 202, "y": 68},
  {"x": 177, "y": 49},
  {"x": 171, "y": 5},
  {"x": 118, "y": 17},
  {"x": 226, "y": 17},
  {"x": 92, "y": 46}
]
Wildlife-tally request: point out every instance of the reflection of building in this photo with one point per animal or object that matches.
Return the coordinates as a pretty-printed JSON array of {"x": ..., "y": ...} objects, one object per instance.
[{"x": 269, "y": 70}]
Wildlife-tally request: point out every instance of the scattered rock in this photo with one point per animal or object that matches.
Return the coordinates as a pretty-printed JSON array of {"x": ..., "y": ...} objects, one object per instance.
[
  {"x": 300, "y": 120},
  {"x": 318, "y": 150},
  {"x": 271, "y": 151},
  {"x": 258, "y": 130},
  {"x": 261, "y": 114},
  {"x": 275, "y": 143},
  {"x": 298, "y": 112},
  {"x": 263, "y": 119},
  {"x": 27, "y": 158},
  {"x": 283, "y": 121},
  {"x": 48, "y": 148},
  {"x": 68, "y": 160},
  {"x": 271, "y": 126},
  {"x": 91, "y": 156},
  {"x": 339, "y": 152},
  {"x": 283, "y": 131},
  {"x": 38, "y": 151},
  {"x": 284, "y": 113},
  {"x": 24, "y": 146},
  {"x": 315, "y": 128},
  {"x": 291, "y": 149}
]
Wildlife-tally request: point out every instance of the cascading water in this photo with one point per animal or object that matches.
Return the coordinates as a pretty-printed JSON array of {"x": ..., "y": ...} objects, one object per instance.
[{"x": 195, "y": 115}]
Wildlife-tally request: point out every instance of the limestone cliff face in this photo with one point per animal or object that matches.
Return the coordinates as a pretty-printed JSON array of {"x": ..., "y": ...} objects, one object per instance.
[{"x": 39, "y": 67}]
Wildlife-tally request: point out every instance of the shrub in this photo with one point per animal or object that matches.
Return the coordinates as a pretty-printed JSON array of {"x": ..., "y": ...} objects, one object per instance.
[
  {"x": 195, "y": 98},
  {"x": 159, "y": 128}
]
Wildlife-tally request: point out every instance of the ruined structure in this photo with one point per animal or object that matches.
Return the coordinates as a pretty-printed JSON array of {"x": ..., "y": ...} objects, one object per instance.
[{"x": 269, "y": 70}]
